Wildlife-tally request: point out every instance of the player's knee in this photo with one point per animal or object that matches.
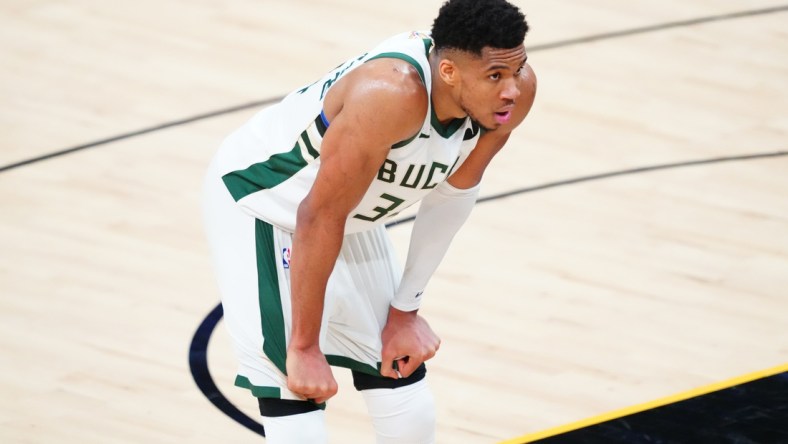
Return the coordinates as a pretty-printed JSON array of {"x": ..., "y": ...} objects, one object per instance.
[
  {"x": 402, "y": 415},
  {"x": 296, "y": 422}
]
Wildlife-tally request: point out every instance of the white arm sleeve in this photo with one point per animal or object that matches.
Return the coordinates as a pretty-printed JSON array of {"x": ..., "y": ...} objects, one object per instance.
[{"x": 440, "y": 216}]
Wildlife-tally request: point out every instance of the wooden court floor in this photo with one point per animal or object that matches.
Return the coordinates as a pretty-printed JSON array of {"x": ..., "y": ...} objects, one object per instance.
[{"x": 632, "y": 242}]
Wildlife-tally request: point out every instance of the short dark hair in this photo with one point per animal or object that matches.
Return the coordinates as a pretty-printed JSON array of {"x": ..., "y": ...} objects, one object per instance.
[{"x": 471, "y": 25}]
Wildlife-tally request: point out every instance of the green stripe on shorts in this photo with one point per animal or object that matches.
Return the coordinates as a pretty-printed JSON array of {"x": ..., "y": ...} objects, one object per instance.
[
  {"x": 271, "y": 315},
  {"x": 352, "y": 364},
  {"x": 258, "y": 391}
]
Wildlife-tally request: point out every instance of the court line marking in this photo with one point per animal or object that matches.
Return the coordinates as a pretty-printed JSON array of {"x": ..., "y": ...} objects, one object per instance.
[
  {"x": 682, "y": 396},
  {"x": 660, "y": 27},
  {"x": 534, "y": 48},
  {"x": 201, "y": 374},
  {"x": 141, "y": 132}
]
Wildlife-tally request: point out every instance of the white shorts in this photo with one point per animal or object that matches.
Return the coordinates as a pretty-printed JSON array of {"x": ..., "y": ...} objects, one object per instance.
[{"x": 251, "y": 260}]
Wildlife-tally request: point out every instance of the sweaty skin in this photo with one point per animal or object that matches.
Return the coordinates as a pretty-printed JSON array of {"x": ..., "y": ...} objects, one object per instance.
[{"x": 496, "y": 89}]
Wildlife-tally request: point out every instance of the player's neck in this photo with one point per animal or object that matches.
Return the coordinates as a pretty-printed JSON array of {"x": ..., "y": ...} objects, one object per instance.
[
  {"x": 444, "y": 103},
  {"x": 444, "y": 113}
]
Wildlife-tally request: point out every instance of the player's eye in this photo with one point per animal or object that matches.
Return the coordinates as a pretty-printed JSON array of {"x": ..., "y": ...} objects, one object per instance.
[{"x": 495, "y": 76}]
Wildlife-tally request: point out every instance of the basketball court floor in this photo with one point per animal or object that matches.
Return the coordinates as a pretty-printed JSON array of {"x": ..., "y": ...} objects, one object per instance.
[{"x": 630, "y": 250}]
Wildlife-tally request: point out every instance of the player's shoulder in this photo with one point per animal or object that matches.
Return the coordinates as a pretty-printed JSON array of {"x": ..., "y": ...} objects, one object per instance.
[
  {"x": 382, "y": 95},
  {"x": 390, "y": 75},
  {"x": 388, "y": 85}
]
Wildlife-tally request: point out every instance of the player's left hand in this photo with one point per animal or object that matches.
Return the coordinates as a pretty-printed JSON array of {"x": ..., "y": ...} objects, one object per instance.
[
  {"x": 408, "y": 340},
  {"x": 309, "y": 375}
]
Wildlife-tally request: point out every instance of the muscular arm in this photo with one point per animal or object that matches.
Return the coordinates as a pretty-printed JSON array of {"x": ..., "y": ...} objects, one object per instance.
[{"x": 370, "y": 110}]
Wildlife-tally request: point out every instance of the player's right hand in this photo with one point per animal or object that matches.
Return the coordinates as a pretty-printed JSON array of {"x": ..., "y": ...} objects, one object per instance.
[
  {"x": 407, "y": 340},
  {"x": 309, "y": 375}
]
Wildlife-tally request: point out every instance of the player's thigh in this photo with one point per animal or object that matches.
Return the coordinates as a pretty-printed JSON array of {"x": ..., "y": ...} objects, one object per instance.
[{"x": 359, "y": 294}]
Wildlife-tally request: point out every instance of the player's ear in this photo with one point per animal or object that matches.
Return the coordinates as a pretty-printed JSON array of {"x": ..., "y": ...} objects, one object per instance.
[{"x": 449, "y": 72}]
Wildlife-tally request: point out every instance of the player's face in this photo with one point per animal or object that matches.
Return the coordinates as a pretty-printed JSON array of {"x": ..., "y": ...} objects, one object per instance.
[{"x": 491, "y": 85}]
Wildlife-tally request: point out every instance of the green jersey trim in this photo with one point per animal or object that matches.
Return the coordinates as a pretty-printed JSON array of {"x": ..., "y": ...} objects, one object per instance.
[
  {"x": 272, "y": 172},
  {"x": 321, "y": 122},
  {"x": 271, "y": 317},
  {"x": 404, "y": 142},
  {"x": 264, "y": 175},
  {"x": 448, "y": 130},
  {"x": 427, "y": 45},
  {"x": 473, "y": 131}
]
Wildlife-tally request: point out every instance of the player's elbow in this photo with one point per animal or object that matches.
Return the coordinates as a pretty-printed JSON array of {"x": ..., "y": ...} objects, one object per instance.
[{"x": 313, "y": 216}]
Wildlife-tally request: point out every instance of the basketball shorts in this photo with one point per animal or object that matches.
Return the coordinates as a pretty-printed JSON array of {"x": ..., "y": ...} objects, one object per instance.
[{"x": 252, "y": 263}]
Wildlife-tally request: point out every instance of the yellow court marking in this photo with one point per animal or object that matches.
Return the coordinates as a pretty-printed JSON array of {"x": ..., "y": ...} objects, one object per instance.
[{"x": 649, "y": 405}]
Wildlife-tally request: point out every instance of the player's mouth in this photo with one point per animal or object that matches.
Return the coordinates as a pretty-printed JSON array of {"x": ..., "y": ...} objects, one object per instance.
[{"x": 503, "y": 117}]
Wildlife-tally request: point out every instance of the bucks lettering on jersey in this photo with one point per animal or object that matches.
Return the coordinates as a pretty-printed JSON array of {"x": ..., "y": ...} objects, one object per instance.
[{"x": 270, "y": 163}]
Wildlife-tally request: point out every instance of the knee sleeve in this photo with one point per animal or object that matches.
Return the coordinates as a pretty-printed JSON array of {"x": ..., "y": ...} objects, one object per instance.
[
  {"x": 404, "y": 415},
  {"x": 291, "y": 424}
]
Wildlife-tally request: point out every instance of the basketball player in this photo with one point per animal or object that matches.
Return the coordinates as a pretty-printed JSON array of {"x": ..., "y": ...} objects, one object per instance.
[{"x": 297, "y": 198}]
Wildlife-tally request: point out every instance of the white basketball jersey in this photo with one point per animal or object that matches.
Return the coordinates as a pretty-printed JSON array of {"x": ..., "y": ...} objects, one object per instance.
[{"x": 270, "y": 163}]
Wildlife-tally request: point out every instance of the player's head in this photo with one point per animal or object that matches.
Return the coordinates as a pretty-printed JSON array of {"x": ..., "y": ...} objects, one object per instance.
[
  {"x": 472, "y": 25},
  {"x": 479, "y": 55}
]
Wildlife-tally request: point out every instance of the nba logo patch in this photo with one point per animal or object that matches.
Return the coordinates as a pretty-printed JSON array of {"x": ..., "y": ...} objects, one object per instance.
[{"x": 286, "y": 258}]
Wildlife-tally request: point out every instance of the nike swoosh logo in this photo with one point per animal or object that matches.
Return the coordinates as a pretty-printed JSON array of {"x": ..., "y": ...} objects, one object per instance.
[{"x": 424, "y": 136}]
